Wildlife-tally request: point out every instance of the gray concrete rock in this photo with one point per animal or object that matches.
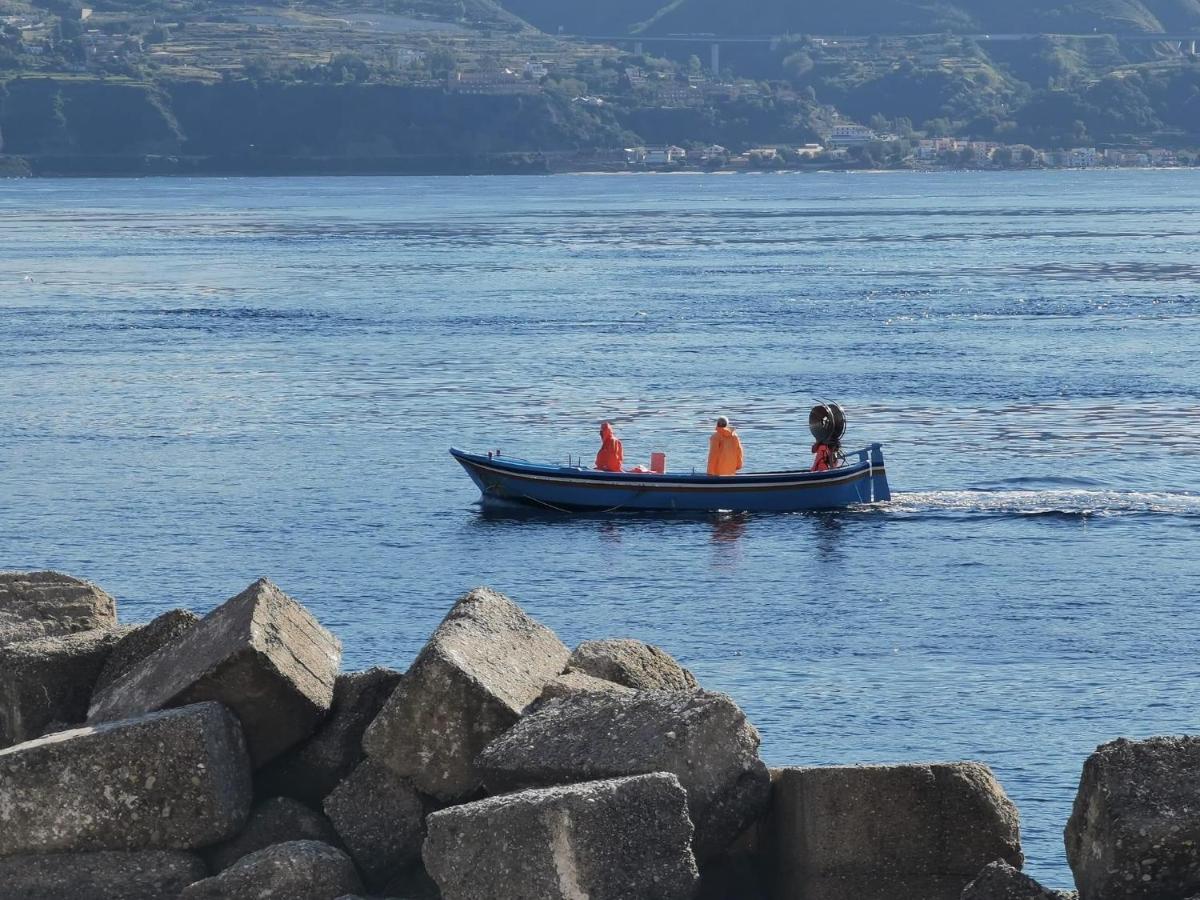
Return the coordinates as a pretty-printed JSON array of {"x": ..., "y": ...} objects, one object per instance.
[
  {"x": 172, "y": 780},
  {"x": 142, "y": 641},
  {"x": 102, "y": 875},
  {"x": 604, "y": 840},
  {"x": 634, "y": 664},
  {"x": 35, "y": 605},
  {"x": 380, "y": 818},
  {"x": 903, "y": 832},
  {"x": 483, "y": 665},
  {"x": 260, "y": 653},
  {"x": 1000, "y": 881},
  {"x": 571, "y": 683},
  {"x": 701, "y": 737},
  {"x": 1134, "y": 831},
  {"x": 48, "y": 682},
  {"x": 311, "y": 770},
  {"x": 274, "y": 821},
  {"x": 296, "y": 870}
]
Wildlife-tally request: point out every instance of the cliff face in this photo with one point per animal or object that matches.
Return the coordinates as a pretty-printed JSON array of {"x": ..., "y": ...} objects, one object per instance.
[
  {"x": 49, "y": 116},
  {"x": 45, "y": 117}
]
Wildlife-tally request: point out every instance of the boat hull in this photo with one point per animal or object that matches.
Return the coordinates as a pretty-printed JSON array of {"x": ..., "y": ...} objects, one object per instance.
[{"x": 572, "y": 488}]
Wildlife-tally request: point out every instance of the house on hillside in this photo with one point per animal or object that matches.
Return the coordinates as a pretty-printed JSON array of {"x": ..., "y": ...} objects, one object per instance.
[
  {"x": 664, "y": 156},
  {"x": 850, "y": 136},
  {"x": 499, "y": 81}
]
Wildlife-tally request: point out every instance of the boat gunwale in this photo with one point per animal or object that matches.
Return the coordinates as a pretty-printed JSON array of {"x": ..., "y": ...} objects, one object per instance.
[{"x": 592, "y": 478}]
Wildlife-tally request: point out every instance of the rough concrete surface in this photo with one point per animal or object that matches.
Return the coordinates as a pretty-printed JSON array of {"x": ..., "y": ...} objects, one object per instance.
[
  {"x": 274, "y": 821},
  {"x": 479, "y": 670},
  {"x": 172, "y": 780},
  {"x": 47, "y": 682},
  {"x": 701, "y": 737},
  {"x": 903, "y": 832},
  {"x": 1134, "y": 832},
  {"x": 46, "y": 604},
  {"x": 260, "y": 653},
  {"x": 615, "y": 839},
  {"x": 142, "y": 641},
  {"x": 1000, "y": 881},
  {"x": 380, "y": 818},
  {"x": 101, "y": 875},
  {"x": 296, "y": 870},
  {"x": 571, "y": 683},
  {"x": 312, "y": 769},
  {"x": 635, "y": 664}
]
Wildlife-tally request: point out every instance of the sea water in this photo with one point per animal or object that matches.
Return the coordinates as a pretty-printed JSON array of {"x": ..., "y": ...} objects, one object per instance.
[{"x": 207, "y": 381}]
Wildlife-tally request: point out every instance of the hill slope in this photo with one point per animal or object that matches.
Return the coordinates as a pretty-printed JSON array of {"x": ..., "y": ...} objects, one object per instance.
[{"x": 654, "y": 17}]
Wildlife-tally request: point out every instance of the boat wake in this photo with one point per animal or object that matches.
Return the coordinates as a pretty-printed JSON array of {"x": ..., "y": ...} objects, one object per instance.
[{"x": 1056, "y": 502}]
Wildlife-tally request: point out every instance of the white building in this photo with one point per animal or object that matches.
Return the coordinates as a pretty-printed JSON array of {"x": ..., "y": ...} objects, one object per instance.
[
  {"x": 850, "y": 136},
  {"x": 535, "y": 70},
  {"x": 1082, "y": 157},
  {"x": 505, "y": 81},
  {"x": 662, "y": 156}
]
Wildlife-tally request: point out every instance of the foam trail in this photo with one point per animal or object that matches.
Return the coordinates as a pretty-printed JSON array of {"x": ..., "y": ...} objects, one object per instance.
[{"x": 1074, "y": 502}]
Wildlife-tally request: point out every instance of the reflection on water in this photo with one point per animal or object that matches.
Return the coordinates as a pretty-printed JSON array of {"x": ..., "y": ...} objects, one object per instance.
[
  {"x": 207, "y": 381},
  {"x": 728, "y": 527}
]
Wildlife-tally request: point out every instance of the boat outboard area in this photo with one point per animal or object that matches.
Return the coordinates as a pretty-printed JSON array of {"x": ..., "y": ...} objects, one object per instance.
[{"x": 836, "y": 479}]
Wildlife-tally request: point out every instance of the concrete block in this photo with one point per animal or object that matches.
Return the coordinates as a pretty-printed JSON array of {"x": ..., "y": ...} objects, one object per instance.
[
  {"x": 634, "y": 664},
  {"x": 46, "y": 684},
  {"x": 604, "y": 840},
  {"x": 35, "y": 605},
  {"x": 274, "y": 821},
  {"x": 312, "y": 769},
  {"x": 1134, "y": 832},
  {"x": 261, "y": 654},
  {"x": 1000, "y": 881},
  {"x": 701, "y": 737},
  {"x": 142, "y": 641},
  {"x": 903, "y": 832},
  {"x": 172, "y": 780},
  {"x": 102, "y": 875},
  {"x": 380, "y": 818},
  {"x": 483, "y": 665},
  {"x": 571, "y": 683},
  {"x": 296, "y": 870}
]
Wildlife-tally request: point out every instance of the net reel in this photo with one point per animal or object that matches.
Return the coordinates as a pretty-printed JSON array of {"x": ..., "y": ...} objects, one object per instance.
[{"x": 827, "y": 422}]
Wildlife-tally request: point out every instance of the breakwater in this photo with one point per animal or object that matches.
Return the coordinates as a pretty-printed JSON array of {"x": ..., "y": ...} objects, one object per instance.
[{"x": 227, "y": 756}]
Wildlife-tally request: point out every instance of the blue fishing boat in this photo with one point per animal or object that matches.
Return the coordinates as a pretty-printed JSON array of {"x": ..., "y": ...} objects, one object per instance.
[
  {"x": 837, "y": 479},
  {"x": 565, "y": 488}
]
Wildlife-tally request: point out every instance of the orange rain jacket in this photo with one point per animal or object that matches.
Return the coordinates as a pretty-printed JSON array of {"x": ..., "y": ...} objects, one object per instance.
[
  {"x": 611, "y": 454},
  {"x": 724, "y": 452}
]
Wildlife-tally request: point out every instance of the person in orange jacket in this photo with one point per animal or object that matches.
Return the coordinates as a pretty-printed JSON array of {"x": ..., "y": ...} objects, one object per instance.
[
  {"x": 724, "y": 450},
  {"x": 612, "y": 454}
]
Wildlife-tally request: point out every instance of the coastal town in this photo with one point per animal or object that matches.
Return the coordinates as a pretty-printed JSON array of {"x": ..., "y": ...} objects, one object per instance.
[{"x": 845, "y": 146}]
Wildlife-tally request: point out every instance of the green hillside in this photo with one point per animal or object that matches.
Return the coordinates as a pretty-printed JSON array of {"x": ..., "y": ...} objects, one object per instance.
[{"x": 653, "y": 17}]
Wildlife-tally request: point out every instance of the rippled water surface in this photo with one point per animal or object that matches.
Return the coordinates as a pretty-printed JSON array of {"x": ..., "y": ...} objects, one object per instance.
[{"x": 207, "y": 381}]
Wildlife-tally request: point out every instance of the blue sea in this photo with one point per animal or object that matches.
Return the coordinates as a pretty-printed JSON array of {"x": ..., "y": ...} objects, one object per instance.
[{"x": 207, "y": 381}]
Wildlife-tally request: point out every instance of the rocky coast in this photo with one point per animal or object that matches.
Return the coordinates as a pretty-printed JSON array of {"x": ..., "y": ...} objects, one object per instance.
[{"x": 227, "y": 756}]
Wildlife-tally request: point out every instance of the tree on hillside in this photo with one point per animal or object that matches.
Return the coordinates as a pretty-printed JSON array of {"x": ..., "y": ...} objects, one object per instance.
[
  {"x": 797, "y": 65},
  {"x": 347, "y": 68}
]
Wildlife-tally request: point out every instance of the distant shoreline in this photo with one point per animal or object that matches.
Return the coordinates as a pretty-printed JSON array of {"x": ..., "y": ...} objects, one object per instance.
[{"x": 291, "y": 167}]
